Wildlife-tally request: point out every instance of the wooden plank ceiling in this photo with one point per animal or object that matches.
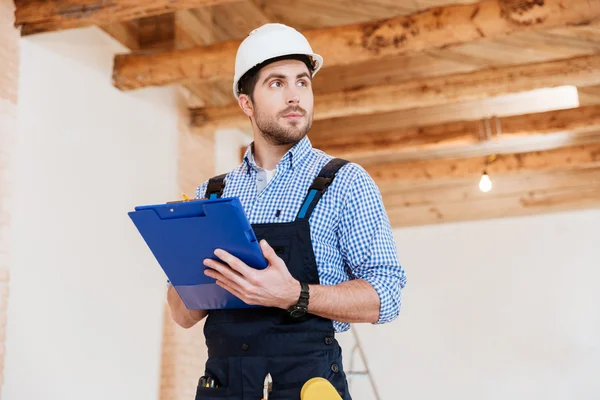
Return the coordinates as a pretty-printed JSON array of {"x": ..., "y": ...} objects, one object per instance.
[{"x": 426, "y": 94}]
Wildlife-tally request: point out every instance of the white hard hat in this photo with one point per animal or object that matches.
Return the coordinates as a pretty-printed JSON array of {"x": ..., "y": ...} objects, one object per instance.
[{"x": 271, "y": 41}]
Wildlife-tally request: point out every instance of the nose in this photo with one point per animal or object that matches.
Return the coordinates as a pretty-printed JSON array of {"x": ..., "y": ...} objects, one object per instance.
[{"x": 293, "y": 97}]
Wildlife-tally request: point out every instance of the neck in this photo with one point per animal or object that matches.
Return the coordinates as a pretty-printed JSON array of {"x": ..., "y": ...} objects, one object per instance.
[{"x": 267, "y": 155}]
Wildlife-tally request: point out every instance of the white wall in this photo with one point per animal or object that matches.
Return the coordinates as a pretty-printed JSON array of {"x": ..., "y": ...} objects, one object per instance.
[
  {"x": 227, "y": 145},
  {"x": 495, "y": 310},
  {"x": 86, "y": 296}
]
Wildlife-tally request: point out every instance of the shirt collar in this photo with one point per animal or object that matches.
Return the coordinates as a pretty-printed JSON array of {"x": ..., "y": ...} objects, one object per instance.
[{"x": 291, "y": 158}]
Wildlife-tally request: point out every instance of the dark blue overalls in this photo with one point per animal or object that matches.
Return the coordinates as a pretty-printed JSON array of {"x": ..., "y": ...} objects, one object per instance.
[{"x": 246, "y": 344}]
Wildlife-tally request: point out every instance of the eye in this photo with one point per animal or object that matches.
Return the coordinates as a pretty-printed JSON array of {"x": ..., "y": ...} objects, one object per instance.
[
  {"x": 302, "y": 83},
  {"x": 276, "y": 84}
]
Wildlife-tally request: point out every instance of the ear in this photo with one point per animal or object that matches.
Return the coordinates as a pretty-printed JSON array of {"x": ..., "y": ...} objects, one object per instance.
[{"x": 246, "y": 105}]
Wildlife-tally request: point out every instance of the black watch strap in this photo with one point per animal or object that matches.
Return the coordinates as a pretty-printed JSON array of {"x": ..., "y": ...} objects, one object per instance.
[
  {"x": 301, "y": 307},
  {"x": 304, "y": 294}
]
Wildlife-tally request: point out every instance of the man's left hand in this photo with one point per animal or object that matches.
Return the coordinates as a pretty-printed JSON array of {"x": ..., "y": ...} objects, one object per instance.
[{"x": 273, "y": 286}]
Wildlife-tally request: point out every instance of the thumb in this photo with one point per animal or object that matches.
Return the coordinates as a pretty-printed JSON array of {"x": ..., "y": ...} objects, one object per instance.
[{"x": 268, "y": 251}]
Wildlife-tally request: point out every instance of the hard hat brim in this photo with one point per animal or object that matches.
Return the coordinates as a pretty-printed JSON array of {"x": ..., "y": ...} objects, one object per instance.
[{"x": 317, "y": 62}]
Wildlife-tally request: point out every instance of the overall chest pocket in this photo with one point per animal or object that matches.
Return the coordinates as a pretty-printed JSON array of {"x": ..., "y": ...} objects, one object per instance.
[
  {"x": 297, "y": 253},
  {"x": 282, "y": 247},
  {"x": 280, "y": 251}
]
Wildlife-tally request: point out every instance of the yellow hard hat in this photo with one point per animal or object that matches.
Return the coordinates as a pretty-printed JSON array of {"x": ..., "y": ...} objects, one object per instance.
[{"x": 319, "y": 389}]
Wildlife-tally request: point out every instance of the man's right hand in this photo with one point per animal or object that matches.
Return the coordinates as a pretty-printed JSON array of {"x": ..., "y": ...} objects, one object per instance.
[{"x": 179, "y": 312}]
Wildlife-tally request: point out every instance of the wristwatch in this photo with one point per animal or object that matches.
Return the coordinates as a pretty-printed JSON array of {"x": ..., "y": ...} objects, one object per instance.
[{"x": 301, "y": 307}]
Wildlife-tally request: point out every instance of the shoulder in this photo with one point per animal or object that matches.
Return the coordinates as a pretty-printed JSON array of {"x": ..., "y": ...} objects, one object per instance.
[{"x": 352, "y": 178}]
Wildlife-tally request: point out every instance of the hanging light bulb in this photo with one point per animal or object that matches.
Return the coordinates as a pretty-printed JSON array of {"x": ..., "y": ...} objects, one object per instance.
[{"x": 485, "y": 183}]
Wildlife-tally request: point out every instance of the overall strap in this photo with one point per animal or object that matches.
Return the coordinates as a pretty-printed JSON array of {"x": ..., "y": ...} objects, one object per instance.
[
  {"x": 319, "y": 186},
  {"x": 214, "y": 189}
]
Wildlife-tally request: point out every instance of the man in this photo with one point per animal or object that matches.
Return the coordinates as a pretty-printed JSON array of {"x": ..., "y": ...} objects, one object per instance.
[{"x": 321, "y": 225}]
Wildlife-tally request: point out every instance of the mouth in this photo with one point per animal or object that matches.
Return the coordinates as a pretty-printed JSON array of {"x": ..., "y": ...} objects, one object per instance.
[{"x": 292, "y": 116}]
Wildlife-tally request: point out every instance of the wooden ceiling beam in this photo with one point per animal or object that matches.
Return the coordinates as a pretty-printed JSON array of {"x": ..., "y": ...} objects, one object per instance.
[
  {"x": 565, "y": 158},
  {"x": 461, "y": 139},
  {"x": 468, "y": 189},
  {"x": 455, "y": 139},
  {"x": 579, "y": 71},
  {"x": 156, "y": 32},
  {"x": 436, "y": 27},
  {"x": 530, "y": 102},
  {"x": 125, "y": 32},
  {"x": 511, "y": 196},
  {"x": 36, "y": 16},
  {"x": 589, "y": 95}
]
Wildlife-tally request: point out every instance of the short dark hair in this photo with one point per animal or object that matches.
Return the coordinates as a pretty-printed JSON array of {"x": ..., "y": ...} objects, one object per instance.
[{"x": 248, "y": 81}]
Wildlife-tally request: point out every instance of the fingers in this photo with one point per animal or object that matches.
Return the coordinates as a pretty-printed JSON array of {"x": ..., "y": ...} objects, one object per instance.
[
  {"x": 234, "y": 262},
  {"x": 223, "y": 271}
]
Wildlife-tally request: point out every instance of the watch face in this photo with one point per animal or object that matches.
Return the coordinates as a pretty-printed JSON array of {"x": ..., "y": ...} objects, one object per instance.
[{"x": 297, "y": 312}]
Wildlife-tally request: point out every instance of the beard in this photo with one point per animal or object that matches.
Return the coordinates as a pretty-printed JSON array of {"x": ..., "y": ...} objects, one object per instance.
[{"x": 276, "y": 133}]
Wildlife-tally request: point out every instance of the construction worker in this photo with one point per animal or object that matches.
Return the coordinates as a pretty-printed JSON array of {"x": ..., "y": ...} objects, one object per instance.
[{"x": 322, "y": 227}]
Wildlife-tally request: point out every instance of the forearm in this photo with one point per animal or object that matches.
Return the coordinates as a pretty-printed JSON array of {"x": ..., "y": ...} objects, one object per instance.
[
  {"x": 352, "y": 301},
  {"x": 179, "y": 312}
]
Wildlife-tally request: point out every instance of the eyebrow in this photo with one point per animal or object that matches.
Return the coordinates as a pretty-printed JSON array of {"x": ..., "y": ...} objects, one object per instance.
[
  {"x": 281, "y": 76},
  {"x": 304, "y": 74}
]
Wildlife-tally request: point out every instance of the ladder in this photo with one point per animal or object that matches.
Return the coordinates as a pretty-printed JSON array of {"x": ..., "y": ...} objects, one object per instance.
[{"x": 351, "y": 373}]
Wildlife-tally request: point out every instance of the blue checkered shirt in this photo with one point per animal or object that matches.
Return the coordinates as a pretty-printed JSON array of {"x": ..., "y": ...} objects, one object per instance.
[{"x": 350, "y": 230}]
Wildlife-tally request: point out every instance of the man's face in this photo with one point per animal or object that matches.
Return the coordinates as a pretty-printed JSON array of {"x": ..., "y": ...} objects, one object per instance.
[{"x": 283, "y": 102}]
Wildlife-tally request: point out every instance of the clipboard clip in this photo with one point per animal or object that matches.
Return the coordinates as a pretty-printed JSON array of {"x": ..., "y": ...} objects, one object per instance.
[{"x": 185, "y": 200}]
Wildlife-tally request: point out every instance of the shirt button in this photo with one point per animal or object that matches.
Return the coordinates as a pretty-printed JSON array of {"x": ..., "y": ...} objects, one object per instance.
[
  {"x": 328, "y": 340},
  {"x": 335, "y": 368},
  {"x": 244, "y": 347}
]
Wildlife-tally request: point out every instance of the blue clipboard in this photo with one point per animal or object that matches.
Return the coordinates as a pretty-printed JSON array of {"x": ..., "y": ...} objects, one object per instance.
[{"x": 182, "y": 234}]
